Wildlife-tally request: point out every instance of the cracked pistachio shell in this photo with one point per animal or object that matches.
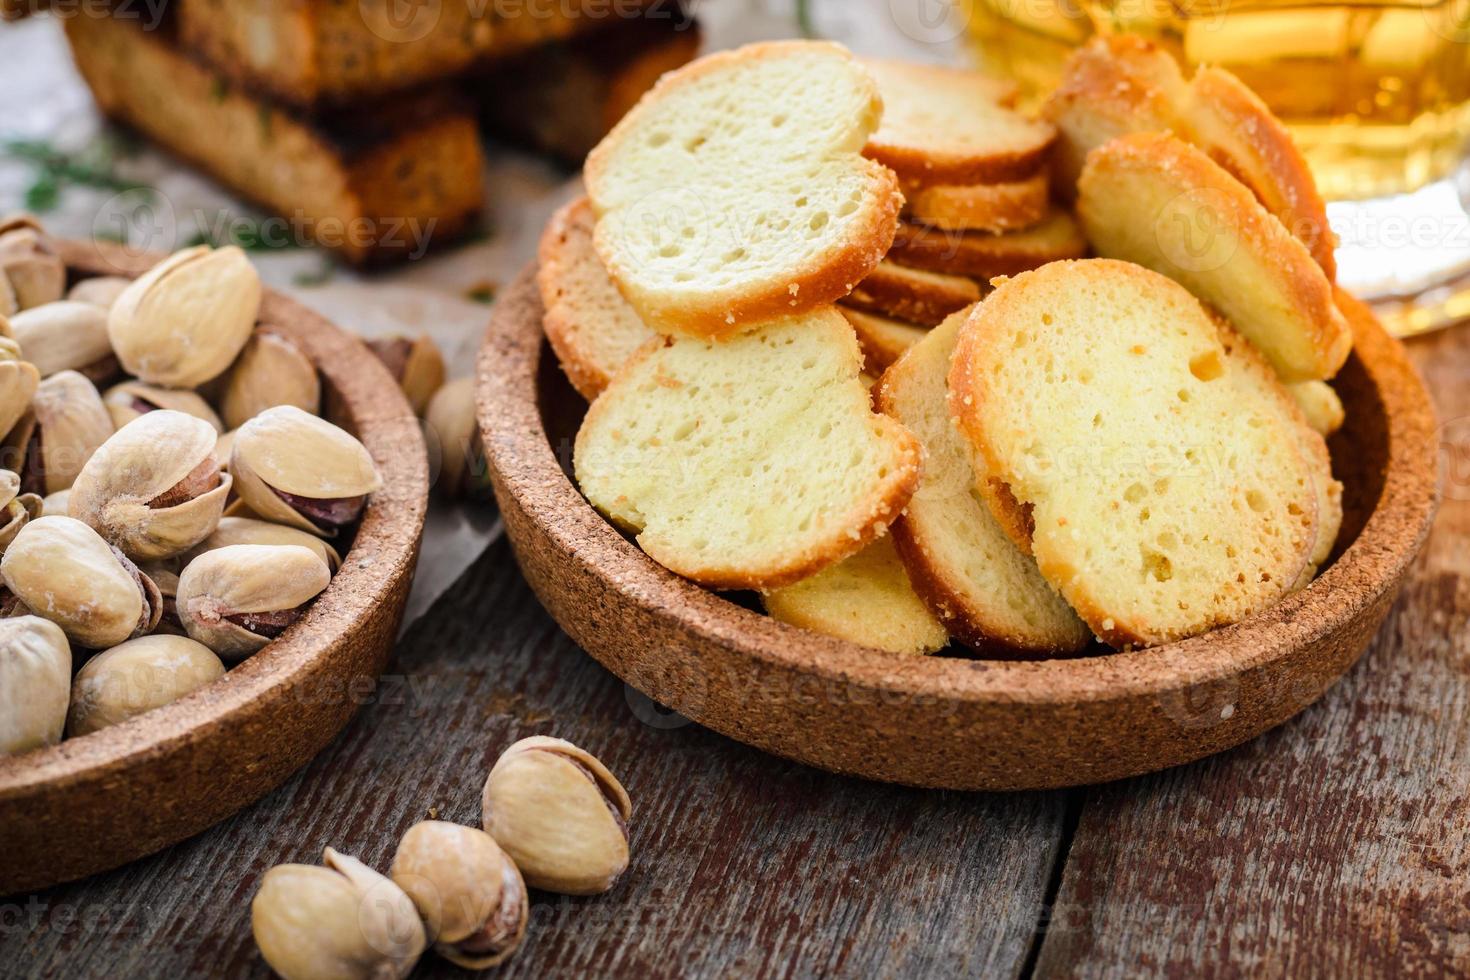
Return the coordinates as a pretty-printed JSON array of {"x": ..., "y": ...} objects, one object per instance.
[
  {"x": 154, "y": 488},
  {"x": 451, "y": 418},
  {"x": 135, "y": 677},
  {"x": 18, "y": 382},
  {"x": 63, "y": 571},
  {"x": 269, "y": 584},
  {"x": 165, "y": 574},
  {"x": 29, "y": 263},
  {"x": 35, "y": 674},
  {"x": 270, "y": 371},
  {"x": 415, "y": 363},
  {"x": 249, "y": 530},
  {"x": 100, "y": 291},
  {"x": 183, "y": 322},
  {"x": 68, "y": 421},
  {"x": 63, "y": 336},
  {"x": 467, "y": 889},
  {"x": 340, "y": 922},
  {"x": 16, "y": 508},
  {"x": 131, "y": 399},
  {"x": 559, "y": 814},
  {"x": 286, "y": 450}
]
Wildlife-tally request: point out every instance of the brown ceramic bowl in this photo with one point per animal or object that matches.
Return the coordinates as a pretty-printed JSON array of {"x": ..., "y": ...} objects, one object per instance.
[
  {"x": 95, "y": 802},
  {"x": 951, "y": 720}
]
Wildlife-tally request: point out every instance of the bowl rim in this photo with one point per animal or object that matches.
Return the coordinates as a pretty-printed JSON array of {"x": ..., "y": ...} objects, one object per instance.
[
  {"x": 520, "y": 455},
  {"x": 387, "y": 540}
]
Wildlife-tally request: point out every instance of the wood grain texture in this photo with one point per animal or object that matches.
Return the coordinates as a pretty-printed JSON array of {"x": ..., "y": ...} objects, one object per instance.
[{"x": 742, "y": 864}]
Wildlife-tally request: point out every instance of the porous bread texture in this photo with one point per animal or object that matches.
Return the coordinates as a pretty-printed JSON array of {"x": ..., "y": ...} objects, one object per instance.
[
  {"x": 747, "y": 463},
  {"x": 980, "y": 207},
  {"x": 865, "y": 599},
  {"x": 1153, "y": 199},
  {"x": 915, "y": 295},
  {"x": 983, "y": 255},
  {"x": 882, "y": 338},
  {"x": 950, "y": 126},
  {"x": 986, "y": 591},
  {"x": 592, "y": 329},
  {"x": 736, "y": 190},
  {"x": 1166, "y": 495},
  {"x": 1120, "y": 84},
  {"x": 1320, "y": 404}
]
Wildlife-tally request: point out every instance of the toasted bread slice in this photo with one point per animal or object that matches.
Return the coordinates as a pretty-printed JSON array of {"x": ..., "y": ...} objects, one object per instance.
[
  {"x": 882, "y": 338},
  {"x": 984, "y": 255},
  {"x": 925, "y": 298},
  {"x": 735, "y": 191},
  {"x": 1153, "y": 199},
  {"x": 983, "y": 588},
  {"x": 1120, "y": 84},
  {"x": 590, "y": 326},
  {"x": 1166, "y": 495},
  {"x": 866, "y": 599},
  {"x": 980, "y": 207},
  {"x": 748, "y": 463},
  {"x": 949, "y": 126},
  {"x": 1320, "y": 404}
]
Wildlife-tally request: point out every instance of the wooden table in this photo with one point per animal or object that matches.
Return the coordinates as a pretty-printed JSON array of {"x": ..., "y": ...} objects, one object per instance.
[{"x": 1337, "y": 845}]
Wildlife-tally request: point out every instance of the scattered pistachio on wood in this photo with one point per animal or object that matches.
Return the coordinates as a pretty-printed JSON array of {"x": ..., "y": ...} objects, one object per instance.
[
  {"x": 415, "y": 363},
  {"x": 137, "y": 676},
  {"x": 35, "y": 681},
  {"x": 238, "y": 598},
  {"x": 451, "y": 419},
  {"x": 270, "y": 371}
]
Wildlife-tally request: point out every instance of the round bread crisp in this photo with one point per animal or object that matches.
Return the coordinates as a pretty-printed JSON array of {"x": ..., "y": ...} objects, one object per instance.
[
  {"x": 882, "y": 338},
  {"x": 984, "y": 255},
  {"x": 914, "y": 295},
  {"x": 1167, "y": 495},
  {"x": 1009, "y": 206}
]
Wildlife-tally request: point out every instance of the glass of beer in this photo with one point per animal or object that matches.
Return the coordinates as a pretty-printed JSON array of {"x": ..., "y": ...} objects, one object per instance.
[{"x": 1376, "y": 94}]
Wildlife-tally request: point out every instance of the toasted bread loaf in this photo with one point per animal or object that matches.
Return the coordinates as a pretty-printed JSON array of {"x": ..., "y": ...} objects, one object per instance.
[
  {"x": 1153, "y": 199},
  {"x": 866, "y": 599},
  {"x": 983, "y": 588},
  {"x": 751, "y": 462},
  {"x": 1166, "y": 495},
  {"x": 882, "y": 338},
  {"x": 591, "y": 327},
  {"x": 1320, "y": 404},
  {"x": 1120, "y": 84},
  {"x": 983, "y": 255},
  {"x": 373, "y": 185},
  {"x": 949, "y": 126},
  {"x": 915, "y": 295},
  {"x": 735, "y": 191},
  {"x": 979, "y": 207}
]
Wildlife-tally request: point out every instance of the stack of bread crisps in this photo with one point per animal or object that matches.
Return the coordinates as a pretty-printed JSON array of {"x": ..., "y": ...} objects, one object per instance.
[{"x": 1056, "y": 450}]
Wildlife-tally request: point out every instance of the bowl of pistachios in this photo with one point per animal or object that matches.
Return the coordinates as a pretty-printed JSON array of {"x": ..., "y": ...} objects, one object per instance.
[{"x": 211, "y": 502}]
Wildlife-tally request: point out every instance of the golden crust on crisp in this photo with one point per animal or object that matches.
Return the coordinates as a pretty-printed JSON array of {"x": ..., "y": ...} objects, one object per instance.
[
  {"x": 999, "y": 207},
  {"x": 915, "y": 295},
  {"x": 882, "y": 338},
  {"x": 983, "y": 255}
]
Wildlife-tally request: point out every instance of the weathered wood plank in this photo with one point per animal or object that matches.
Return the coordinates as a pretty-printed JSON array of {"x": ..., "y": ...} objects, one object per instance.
[
  {"x": 1338, "y": 845},
  {"x": 742, "y": 863}
]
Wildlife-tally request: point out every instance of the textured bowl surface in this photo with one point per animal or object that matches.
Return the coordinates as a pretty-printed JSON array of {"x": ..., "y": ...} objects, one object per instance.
[
  {"x": 952, "y": 721},
  {"x": 99, "y": 801}
]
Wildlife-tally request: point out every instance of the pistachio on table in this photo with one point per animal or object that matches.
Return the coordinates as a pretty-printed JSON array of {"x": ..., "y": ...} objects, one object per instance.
[
  {"x": 66, "y": 336},
  {"x": 467, "y": 889},
  {"x": 137, "y": 676},
  {"x": 16, "y": 508},
  {"x": 128, "y": 400},
  {"x": 35, "y": 680},
  {"x": 303, "y": 471},
  {"x": 415, "y": 363},
  {"x": 451, "y": 417},
  {"x": 340, "y": 922},
  {"x": 236, "y": 599},
  {"x": 154, "y": 488},
  {"x": 31, "y": 273},
  {"x": 249, "y": 530},
  {"x": 183, "y": 322},
  {"x": 560, "y": 814},
  {"x": 63, "y": 570},
  {"x": 100, "y": 291},
  {"x": 270, "y": 371},
  {"x": 18, "y": 380},
  {"x": 53, "y": 441}
]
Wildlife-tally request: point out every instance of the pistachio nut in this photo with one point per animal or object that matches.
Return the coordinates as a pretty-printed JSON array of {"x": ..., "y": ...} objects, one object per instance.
[
  {"x": 63, "y": 570},
  {"x": 18, "y": 382},
  {"x": 340, "y": 922},
  {"x": 135, "y": 677},
  {"x": 415, "y": 363},
  {"x": 183, "y": 322},
  {"x": 559, "y": 814},
  {"x": 296, "y": 469},
  {"x": 53, "y": 441},
  {"x": 467, "y": 889},
  {"x": 270, "y": 371},
  {"x": 16, "y": 508},
  {"x": 237, "y": 599},
  {"x": 35, "y": 676},
  {"x": 451, "y": 419},
  {"x": 29, "y": 264},
  {"x": 56, "y": 504},
  {"x": 224, "y": 448},
  {"x": 100, "y": 291},
  {"x": 130, "y": 399},
  {"x": 66, "y": 336},
  {"x": 153, "y": 488},
  {"x": 250, "y": 530},
  {"x": 165, "y": 574}
]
